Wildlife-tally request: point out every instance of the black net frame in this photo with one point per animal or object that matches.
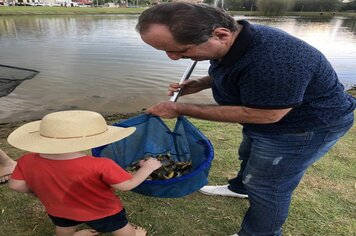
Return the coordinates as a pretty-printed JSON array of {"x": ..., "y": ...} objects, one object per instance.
[{"x": 12, "y": 76}]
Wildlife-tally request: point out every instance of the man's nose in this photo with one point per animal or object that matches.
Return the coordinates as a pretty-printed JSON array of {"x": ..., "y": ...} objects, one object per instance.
[{"x": 173, "y": 55}]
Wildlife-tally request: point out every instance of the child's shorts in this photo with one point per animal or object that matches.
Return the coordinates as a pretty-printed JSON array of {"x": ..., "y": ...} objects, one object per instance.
[{"x": 104, "y": 225}]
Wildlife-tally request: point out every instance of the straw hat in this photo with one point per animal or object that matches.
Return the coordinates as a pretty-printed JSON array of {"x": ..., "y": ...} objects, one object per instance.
[{"x": 66, "y": 131}]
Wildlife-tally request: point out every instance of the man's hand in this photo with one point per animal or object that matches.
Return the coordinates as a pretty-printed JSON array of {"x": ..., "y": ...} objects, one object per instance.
[
  {"x": 164, "y": 109},
  {"x": 190, "y": 86}
]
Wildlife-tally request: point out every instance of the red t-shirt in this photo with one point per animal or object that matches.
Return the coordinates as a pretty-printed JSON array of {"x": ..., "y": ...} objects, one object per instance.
[{"x": 77, "y": 189}]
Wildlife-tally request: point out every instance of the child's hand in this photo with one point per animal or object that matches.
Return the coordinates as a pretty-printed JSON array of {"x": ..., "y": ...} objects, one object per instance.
[
  {"x": 147, "y": 167},
  {"x": 151, "y": 163}
]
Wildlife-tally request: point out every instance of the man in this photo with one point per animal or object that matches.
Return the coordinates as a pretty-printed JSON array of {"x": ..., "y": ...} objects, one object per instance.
[{"x": 283, "y": 91}]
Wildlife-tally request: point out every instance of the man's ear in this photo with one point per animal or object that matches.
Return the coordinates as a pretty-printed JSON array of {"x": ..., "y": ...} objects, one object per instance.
[{"x": 221, "y": 33}]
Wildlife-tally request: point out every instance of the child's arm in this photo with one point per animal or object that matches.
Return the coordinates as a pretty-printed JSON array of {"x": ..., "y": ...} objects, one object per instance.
[
  {"x": 147, "y": 167},
  {"x": 19, "y": 186}
]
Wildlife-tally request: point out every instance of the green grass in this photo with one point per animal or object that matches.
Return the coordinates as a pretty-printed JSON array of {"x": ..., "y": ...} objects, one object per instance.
[
  {"x": 323, "y": 204},
  {"x": 22, "y": 10}
]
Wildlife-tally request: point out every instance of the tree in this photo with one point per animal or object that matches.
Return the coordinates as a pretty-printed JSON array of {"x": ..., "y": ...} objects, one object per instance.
[
  {"x": 234, "y": 5},
  {"x": 249, "y": 5},
  {"x": 330, "y": 5},
  {"x": 274, "y": 7},
  {"x": 350, "y": 6},
  {"x": 210, "y": 2},
  {"x": 317, "y": 5}
]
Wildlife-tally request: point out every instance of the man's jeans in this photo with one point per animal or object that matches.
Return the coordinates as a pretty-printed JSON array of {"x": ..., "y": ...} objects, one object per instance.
[{"x": 272, "y": 167}]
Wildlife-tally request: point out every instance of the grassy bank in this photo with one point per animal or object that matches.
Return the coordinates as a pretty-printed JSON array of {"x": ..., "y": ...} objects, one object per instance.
[
  {"x": 323, "y": 204},
  {"x": 22, "y": 10}
]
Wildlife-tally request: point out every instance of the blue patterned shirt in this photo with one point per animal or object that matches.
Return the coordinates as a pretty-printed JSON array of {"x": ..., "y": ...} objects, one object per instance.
[{"x": 267, "y": 68}]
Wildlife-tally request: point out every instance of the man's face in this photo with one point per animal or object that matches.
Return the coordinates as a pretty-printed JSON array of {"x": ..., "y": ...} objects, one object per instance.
[{"x": 159, "y": 37}]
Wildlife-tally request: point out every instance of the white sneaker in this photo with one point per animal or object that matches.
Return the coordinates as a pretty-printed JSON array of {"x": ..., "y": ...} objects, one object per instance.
[
  {"x": 221, "y": 190},
  {"x": 234, "y": 235}
]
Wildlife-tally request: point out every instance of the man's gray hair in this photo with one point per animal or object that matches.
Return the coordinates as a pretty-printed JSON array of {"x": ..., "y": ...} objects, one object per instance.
[{"x": 189, "y": 23}]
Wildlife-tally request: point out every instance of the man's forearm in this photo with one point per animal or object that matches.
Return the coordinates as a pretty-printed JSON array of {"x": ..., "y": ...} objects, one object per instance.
[
  {"x": 236, "y": 114},
  {"x": 207, "y": 82}
]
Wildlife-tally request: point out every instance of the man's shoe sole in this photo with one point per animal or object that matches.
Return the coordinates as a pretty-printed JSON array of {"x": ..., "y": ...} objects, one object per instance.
[{"x": 235, "y": 195}]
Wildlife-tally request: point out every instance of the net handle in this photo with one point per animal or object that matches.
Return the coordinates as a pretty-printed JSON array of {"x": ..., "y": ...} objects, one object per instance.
[{"x": 185, "y": 76}]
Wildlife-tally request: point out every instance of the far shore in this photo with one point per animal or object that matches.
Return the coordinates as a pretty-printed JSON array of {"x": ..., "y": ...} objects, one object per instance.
[{"x": 43, "y": 10}]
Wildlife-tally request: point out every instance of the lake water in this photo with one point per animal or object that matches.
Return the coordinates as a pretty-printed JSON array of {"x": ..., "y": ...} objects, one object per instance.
[{"x": 100, "y": 63}]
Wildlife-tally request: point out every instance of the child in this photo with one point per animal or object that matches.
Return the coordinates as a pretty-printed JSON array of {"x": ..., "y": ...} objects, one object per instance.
[
  {"x": 74, "y": 187},
  {"x": 7, "y": 166}
]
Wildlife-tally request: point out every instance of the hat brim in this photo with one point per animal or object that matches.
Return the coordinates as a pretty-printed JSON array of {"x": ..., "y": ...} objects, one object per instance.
[{"x": 28, "y": 138}]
